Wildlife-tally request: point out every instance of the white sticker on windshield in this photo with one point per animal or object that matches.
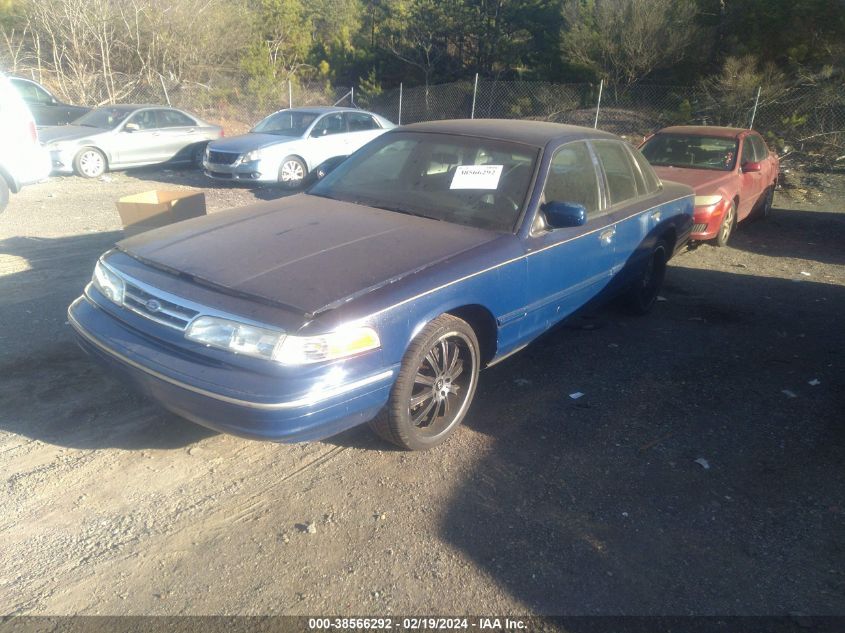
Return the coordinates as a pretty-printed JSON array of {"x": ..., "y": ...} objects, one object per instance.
[{"x": 476, "y": 177}]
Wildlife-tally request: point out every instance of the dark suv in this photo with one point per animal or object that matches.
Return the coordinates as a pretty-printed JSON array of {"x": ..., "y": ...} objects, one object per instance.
[{"x": 45, "y": 108}]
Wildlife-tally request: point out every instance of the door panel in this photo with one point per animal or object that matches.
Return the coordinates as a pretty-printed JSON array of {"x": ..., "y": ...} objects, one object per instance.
[
  {"x": 362, "y": 129},
  {"x": 751, "y": 184},
  {"x": 177, "y": 132},
  {"x": 142, "y": 145},
  {"x": 329, "y": 138},
  {"x": 566, "y": 267}
]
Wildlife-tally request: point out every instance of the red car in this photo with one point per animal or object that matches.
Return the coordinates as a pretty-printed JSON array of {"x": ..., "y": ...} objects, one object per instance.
[{"x": 732, "y": 171}]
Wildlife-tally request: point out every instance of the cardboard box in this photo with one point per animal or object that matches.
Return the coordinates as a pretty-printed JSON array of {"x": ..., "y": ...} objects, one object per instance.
[{"x": 149, "y": 210}]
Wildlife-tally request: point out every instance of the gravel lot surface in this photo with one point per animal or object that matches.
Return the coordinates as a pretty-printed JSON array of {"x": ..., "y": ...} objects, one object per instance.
[{"x": 703, "y": 471}]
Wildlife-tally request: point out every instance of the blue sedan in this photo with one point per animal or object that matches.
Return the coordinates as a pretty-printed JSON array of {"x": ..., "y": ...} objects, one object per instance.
[{"x": 435, "y": 250}]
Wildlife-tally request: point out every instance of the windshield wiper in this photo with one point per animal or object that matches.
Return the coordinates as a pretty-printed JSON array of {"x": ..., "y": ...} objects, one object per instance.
[{"x": 387, "y": 207}]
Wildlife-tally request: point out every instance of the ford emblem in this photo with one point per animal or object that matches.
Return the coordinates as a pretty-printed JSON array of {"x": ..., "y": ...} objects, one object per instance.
[{"x": 152, "y": 305}]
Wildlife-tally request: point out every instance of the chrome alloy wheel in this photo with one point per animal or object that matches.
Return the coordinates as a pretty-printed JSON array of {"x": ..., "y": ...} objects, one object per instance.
[
  {"x": 291, "y": 171},
  {"x": 91, "y": 163},
  {"x": 443, "y": 384},
  {"x": 727, "y": 225}
]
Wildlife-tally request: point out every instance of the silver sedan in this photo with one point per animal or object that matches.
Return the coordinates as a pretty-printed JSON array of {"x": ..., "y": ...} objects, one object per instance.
[
  {"x": 122, "y": 136},
  {"x": 290, "y": 144}
]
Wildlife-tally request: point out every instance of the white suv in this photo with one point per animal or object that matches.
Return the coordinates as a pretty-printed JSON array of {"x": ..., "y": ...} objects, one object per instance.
[{"x": 22, "y": 159}]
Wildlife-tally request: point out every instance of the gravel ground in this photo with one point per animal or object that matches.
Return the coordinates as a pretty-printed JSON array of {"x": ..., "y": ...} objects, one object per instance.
[{"x": 701, "y": 473}]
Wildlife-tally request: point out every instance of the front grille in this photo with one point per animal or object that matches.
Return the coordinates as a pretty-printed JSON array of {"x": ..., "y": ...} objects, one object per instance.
[
  {"x": 157, "y": 309},
  {"x": 222, "y": 158},
  {"x": 699, "y": 228}
]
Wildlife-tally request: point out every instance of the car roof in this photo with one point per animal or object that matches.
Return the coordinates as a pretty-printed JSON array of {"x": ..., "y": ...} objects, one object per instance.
[
  {"x": 705, "y": 130},
  {"x": 324, "y": 109},
  {"x": 128, "y": 107},
  {"x": 537, "y": 133}
]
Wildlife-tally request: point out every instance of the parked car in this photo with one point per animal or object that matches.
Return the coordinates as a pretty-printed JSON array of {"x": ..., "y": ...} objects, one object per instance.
[
  {"x": 22, "y": 159},
  {"x": 731, "y": 169},
  {"x": 122, "y": 136},
  {"x": 46, "y": 109},
  {"x": 287, "y": 145},
  {"x": 437, "y": 249}
]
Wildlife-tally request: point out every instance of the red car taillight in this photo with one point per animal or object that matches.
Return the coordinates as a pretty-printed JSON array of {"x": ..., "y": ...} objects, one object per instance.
[
  {"x": 33, "y": 133},
  {"x": 222, "y": 132}
]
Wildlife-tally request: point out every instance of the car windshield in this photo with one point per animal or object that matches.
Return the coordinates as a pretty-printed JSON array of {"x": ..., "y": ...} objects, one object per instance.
[
  {"x": 104, "y": 118},
  {"x": 691, "y": 151},
  {"x": 471, "y": 181},
  {"x": 286, "y": 123}
]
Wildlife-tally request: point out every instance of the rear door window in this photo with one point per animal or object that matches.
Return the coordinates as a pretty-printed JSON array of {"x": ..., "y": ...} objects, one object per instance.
[
  {"x": 649, "y": 180},
  {"x": 360, "y": 122},
  {"x": 618, "y": 170},
  {"x": 172, "y": 118}
]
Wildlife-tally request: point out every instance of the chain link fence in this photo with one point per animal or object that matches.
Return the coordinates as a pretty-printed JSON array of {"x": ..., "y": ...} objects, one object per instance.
[{"x": 808, "y": 119}]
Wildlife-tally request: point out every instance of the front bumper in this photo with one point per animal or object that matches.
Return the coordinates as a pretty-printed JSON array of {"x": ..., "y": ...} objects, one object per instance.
[
  {"x": 322, "y": 411},
  {"x": 29, "y": 166},
  {"x": 62, "y": 160},
  {"x": 708, "y": 219},
  {"x": 252, "y": 171}
]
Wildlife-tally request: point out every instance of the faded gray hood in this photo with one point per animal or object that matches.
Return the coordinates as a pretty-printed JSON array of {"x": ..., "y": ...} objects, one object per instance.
[
  {"x": 248, "y": 142},
  {"x": 56, "y": 133},
  {"x": 304, "y": 252}
]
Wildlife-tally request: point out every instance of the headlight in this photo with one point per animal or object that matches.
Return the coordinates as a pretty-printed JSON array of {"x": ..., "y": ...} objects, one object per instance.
[
  {"x": 253, "y": 155},
  {"x": 299, "y": 350},
  {"x": 206, "y": 152},
  {"x": 273, "y": 345},
  {"x": 706, "y": 201},
  {"x": 235, "y": 337},
  {"x": 108, "y": 283}
]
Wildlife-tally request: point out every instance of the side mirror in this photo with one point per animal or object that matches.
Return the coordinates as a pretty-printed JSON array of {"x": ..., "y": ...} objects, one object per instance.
[
  {"x": 564, "y": 215},
  {"x": 751, "y": 167},
  {"x": 131, "y": 127}
]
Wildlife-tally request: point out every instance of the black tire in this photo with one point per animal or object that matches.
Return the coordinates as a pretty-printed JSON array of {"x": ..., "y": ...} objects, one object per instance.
[
  {"x": 768, "y": 200},
  {"x": 435, "y": 387},
  {"x": 292, "y": 172},
  {"x": 4, "y": 194},
  {"x": 726, "y": 228},
  {"x": 197, "y": 155},
  {"x": 90, "y": 162},
  {"x": 642, "y": 296}
]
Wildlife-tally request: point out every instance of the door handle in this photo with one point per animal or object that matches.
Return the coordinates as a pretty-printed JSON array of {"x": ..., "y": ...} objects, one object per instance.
[{"x": 606, "y": 236}]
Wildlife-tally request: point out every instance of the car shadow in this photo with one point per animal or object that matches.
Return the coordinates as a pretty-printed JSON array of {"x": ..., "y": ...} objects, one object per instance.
[
  {"x": 811, "y": 235},
  {"x": 682, "y": 463},
  {"x": 50, "y": 390}
]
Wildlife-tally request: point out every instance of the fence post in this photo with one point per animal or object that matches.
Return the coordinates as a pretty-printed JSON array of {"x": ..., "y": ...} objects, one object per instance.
[
  {"x": 290, "y": 94},
  {"x": 474, "y": 91},
  {"x": 400, "y": 104},
  {"x": 352, "y": 97},
  {"x": 163, "y": 87},
  {"x": 598, "y": 105},
  {"x": 754, "y": 112}
]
